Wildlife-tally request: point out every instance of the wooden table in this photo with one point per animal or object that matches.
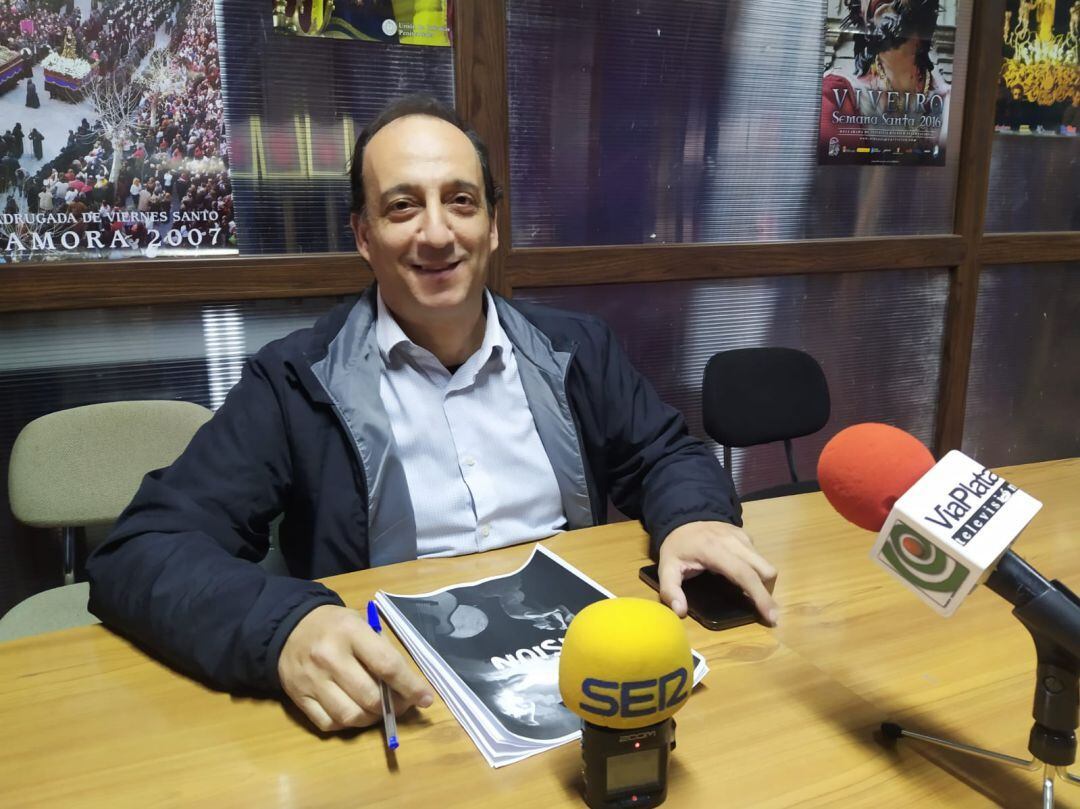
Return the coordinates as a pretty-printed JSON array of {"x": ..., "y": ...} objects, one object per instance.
[{"x": 786, "y": 718}]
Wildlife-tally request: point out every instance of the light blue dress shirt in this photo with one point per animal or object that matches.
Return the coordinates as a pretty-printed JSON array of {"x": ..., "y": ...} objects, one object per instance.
[{"x": 478, "y": 475}]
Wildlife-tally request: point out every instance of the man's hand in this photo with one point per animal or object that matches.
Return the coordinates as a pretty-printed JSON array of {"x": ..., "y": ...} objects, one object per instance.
[
  {"x": 329, "y": 666},
  {"x": 719, "y": 548}
]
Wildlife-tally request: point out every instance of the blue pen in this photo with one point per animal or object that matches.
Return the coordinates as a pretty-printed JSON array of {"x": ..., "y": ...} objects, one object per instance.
[{"x": 389, "y": 721}]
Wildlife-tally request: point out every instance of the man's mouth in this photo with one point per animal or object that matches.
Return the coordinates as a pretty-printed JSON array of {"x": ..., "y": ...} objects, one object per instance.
[{"x": 436, "y": 269}]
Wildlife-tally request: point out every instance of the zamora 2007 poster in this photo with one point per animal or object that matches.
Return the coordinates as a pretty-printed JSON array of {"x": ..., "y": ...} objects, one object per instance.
[{"x": 112, "y": 132}]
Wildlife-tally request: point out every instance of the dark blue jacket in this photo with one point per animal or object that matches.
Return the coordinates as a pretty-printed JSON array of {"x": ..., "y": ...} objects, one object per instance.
[{"x": 304, "y": 433}]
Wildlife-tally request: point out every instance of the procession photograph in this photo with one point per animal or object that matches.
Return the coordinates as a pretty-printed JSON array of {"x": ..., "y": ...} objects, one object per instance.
[{"x": 112, "y": 134}]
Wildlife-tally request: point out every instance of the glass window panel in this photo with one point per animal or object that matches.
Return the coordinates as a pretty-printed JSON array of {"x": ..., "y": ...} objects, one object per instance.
[
  {"x": 1035, "y": 170},
  {"x": 857, "y": 325},
  {"x": 294, "y": 106},
  {"x": 1034, "y": 184},
  {"x": 1024, "y": 384},
  {"x": 696, "y": 121}
]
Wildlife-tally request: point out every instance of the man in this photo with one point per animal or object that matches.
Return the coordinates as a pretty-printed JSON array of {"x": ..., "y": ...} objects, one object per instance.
[
  {"x": 45, "y": 200},
  {"x": 78, "y": 208},
  {"x": 32, "y": 100},
  {"x": 31, "y": 187},
  {"x": 19, "y": 139},
  {"x": 428, "y": 418},
  {"x": 36, "y": 138}
]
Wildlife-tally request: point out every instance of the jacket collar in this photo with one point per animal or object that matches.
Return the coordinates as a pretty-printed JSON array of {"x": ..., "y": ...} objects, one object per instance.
[{"x": 360, "y": 314}]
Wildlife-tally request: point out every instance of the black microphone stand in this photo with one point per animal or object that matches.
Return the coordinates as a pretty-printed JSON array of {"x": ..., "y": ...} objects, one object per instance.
[{"x": 1051, "y": 613}]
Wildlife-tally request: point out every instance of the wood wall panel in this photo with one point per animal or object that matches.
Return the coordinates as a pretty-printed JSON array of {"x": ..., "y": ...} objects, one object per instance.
[
  {"x": 483, "y": 102},
  {"x": 39, "y": 287},
  {"x": 564, "y": 266},
  {"x": 1029, "y": 248},
  {"x": 984, "y": 66}
]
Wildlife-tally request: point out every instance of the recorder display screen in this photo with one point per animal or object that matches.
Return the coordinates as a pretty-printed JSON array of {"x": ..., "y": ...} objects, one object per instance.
[{"x": 638, "y": 769}]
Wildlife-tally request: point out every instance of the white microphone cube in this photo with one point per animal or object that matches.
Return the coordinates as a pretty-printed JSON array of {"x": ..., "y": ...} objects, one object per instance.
[{"x": 950, "y": 528}]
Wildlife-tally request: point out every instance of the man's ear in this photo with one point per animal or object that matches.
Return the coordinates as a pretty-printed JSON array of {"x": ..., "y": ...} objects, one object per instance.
[
  {"x": 359, "y": 225},
  {"x": 493, "y": 235}
]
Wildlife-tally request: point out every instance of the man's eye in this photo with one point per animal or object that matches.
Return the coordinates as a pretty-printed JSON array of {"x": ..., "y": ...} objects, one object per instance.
[
  {"x": 400, "y": 205},
  {"x": 463, "y": 199}
]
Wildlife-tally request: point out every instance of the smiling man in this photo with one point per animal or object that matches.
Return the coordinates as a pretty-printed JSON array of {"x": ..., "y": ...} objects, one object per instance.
[
  {"x": 425, "y": 229},
  {"x": 427, "y": 418}
]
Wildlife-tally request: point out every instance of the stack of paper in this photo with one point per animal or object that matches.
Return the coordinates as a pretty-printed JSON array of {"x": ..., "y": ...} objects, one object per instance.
[{"x": 491, "y": 649}]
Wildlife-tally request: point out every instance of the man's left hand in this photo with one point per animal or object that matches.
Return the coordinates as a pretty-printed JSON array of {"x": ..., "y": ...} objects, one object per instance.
[{"x": 717, "y": 547}]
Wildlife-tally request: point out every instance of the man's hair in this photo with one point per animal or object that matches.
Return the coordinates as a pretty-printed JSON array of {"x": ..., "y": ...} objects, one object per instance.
[
  {"x": 917, "y": 18},
  {"x": 417, "y": 104}
]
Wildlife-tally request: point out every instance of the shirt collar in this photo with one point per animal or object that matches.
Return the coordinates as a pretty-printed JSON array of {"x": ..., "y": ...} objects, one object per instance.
[{"x": 390, "y": 336}]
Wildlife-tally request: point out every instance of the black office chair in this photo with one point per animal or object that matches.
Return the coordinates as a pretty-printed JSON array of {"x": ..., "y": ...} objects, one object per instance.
[{"x": 753, "y": 396}]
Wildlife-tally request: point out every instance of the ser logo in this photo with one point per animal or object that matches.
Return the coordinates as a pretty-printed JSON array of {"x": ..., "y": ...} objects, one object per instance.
[
  {"x": 634, "y": 697},
  {"x": 923, "y": 564}
]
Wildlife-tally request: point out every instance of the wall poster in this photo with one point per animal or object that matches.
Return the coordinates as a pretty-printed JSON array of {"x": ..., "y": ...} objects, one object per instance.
[
  {"x": 113, "y": 140},
  {"x": 398, "y": 22},
  {"x": 1039, "y": 92},
  {"x": 885, "y": 91}
]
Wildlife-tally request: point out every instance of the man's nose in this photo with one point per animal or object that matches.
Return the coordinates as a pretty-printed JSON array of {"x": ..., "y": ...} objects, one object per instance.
[{"x": 435, "y": 229}]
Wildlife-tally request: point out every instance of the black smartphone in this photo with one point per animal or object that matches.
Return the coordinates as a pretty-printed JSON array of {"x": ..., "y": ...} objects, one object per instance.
[{"x": 711, "y": 600}]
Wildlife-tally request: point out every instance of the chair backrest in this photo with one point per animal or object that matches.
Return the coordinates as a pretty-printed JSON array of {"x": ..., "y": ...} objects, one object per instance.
[
  {"x": 754, "y": 396},
  {"x": 81, "y": 467}
]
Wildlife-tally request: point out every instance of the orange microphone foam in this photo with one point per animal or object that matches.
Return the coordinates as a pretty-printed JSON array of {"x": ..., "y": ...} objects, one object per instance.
[{"x": 865, "y": 469}]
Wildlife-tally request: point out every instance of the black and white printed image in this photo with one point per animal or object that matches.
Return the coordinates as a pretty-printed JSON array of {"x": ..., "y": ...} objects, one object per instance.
[
  {"x": 503, "y": 636},
  {"x": 491, "y": 648}
]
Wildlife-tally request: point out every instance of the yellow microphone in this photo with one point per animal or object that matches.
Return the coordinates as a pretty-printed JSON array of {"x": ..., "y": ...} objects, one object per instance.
[{"x": 625, "y": 669}]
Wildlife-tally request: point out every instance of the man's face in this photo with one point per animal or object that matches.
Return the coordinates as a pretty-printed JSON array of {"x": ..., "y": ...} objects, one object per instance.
[{"x": 426, "y": 232}]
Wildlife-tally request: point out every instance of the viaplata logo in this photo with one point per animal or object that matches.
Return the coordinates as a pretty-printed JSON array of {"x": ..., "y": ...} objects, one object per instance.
[{"x": 923, "y": 564}]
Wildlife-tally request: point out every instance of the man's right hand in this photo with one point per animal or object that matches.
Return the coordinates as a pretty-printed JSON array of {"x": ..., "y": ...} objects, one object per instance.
[{"x": 330, "y": 667}]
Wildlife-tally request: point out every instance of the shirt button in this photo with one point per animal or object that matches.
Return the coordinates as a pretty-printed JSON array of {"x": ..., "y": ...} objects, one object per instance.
[
  {"x": 470, "y": 460},
  {"x": 485, "y": 530}
]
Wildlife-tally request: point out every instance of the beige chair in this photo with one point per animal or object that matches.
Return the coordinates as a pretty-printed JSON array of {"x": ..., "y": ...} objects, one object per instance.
[{"x": 78, "y": 469}]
